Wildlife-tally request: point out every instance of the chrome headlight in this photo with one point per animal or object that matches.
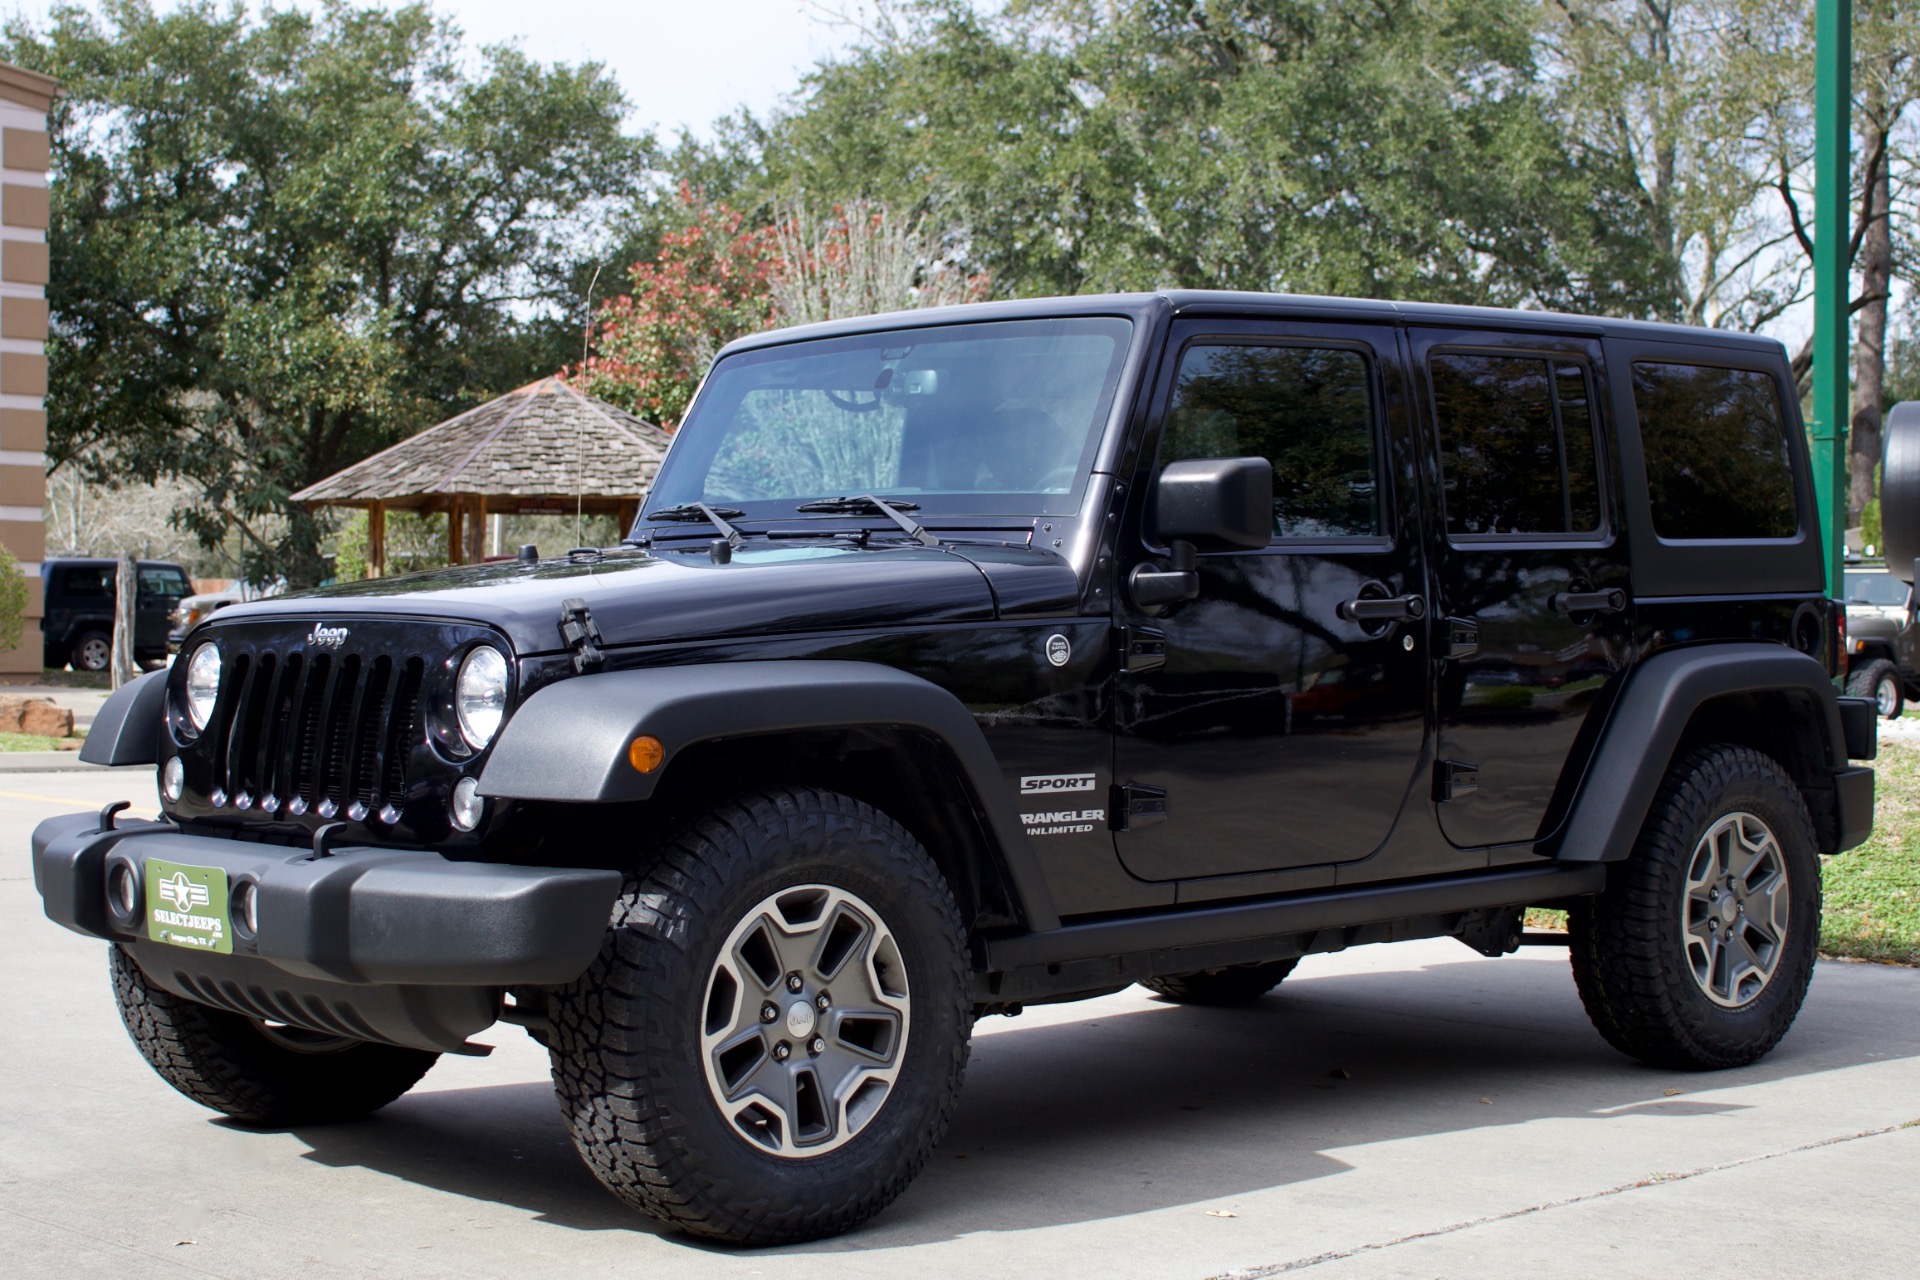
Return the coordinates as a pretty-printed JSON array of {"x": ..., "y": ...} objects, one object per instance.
[
  {"x": 480, "y": 695},
  {"x": 203, "y": 684}
]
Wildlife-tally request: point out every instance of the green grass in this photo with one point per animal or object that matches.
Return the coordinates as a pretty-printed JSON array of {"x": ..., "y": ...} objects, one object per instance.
[
  {"x": 30, "y": 742},
  {"x": 1873, "y": 892},
  {"x": 61, "y": 678}
]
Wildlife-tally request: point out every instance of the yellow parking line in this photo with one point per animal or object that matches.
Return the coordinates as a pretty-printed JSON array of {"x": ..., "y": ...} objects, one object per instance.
[{"x": 69, "y": 801}]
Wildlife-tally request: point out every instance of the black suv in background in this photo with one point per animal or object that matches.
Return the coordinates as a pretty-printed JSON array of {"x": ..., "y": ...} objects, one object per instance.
[
  {"x": 998, "y": 655},
  {"x": 77, "y": 626}
]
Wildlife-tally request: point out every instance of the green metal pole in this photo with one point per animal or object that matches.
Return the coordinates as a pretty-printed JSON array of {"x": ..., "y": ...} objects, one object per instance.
[{"x": 1832, "y": 158}]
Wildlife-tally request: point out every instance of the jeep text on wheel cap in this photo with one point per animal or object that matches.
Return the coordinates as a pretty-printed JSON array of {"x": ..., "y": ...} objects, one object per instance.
[{"x": 1000, "y": 655}]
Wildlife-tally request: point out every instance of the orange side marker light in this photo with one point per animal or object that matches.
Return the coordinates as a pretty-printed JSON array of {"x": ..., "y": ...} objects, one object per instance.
[{"x": 645, "y": 753}]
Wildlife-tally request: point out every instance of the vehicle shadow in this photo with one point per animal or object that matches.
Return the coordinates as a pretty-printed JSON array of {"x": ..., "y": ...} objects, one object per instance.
[{"x": 1131, "y": 1105}]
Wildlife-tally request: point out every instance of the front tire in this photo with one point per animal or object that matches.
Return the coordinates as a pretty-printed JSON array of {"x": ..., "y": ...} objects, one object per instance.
[
  {"x": 1879, "y": 680},
  {"x": 773, "y": 1036},
  {"x": 1238, "y": 984},
  {"x": 1698, "y": 954},
  {"x": 262, "y": 1075}
]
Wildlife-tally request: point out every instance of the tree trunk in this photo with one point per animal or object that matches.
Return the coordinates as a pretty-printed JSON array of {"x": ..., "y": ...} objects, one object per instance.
[
  {"x": 1870, "y": 350},
  {"x": 126, "y": 586}
]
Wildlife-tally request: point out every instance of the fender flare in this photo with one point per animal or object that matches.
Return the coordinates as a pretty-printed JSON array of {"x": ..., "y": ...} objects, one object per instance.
[
  {"x": 127, "y": 728},
  {"x": 1653, "y": 711},
  {"x": 568, "y": 742}
]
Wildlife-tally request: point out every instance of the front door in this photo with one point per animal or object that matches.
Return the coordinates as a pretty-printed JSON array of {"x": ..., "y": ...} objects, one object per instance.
[
  {"x": 1533, "y": 616},
  {"x": 1259, "y": 726}
]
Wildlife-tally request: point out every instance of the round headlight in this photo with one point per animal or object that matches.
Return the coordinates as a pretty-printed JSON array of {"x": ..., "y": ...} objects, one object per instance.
[
  {"x": 203, "y": 684},
  {"x": 480, "y": 695}
]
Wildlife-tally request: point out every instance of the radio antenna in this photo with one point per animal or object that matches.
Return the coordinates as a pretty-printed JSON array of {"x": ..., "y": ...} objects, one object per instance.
[{"x": 580, "y": 437}]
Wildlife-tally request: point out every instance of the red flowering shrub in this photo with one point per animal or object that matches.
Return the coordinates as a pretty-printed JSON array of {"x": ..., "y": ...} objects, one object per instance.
[
  {"x": 709, "y": 284},
  {"x": 713, "y": 282}
]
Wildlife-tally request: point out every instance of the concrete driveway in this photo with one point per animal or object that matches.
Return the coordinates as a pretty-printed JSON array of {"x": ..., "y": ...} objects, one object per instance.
[{"x": 1397, "y": 1111}]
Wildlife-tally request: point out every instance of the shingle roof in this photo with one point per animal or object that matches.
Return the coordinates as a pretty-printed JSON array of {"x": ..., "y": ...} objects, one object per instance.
[{"x": 537, "y": 441}]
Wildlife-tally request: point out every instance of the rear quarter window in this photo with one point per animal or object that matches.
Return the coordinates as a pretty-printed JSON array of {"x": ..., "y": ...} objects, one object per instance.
[{"x": 1718, "y": 466}]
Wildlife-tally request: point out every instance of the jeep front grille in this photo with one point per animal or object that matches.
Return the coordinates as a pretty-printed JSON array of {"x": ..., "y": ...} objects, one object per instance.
[{"x": 327, "y": 729}]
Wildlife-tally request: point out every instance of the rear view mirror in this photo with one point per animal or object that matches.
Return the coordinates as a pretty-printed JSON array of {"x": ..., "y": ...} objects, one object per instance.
[{"x": 1211, "y": 504}]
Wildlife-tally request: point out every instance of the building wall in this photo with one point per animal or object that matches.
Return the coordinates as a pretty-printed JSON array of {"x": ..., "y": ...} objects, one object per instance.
[{"x": 24, "y": 101}]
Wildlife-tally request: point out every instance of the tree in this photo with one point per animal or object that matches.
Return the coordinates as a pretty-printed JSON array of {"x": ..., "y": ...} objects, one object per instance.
[
  {"x": 281, "y": 243},
  {"x": 1372, "y": 147},
  {"x": 864, "y": 259},
  {"x": 13, "y": 601}
]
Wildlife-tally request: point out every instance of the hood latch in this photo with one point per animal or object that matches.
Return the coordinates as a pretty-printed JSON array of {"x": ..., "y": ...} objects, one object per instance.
[{"x": 581, "y": 635}]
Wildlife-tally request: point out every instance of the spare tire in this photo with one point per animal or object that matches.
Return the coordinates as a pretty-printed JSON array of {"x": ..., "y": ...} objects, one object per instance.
[{"x": 1900, "y": 489}]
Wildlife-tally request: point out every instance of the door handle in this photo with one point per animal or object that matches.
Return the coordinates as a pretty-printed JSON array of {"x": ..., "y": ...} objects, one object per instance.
[
  {"x": 1392, "y": 609},
  {"x": 1612, "y": 600}
]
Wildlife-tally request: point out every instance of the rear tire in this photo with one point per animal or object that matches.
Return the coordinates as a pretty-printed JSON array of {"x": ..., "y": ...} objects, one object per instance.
[
  {"x": 1879, "y": 680},
  {"x": 264, "y": 1076},
  {"x": 1698, "y": 953},
  {"x": 700, "y": 1084},
  {"x": 1235, "y": 985}
]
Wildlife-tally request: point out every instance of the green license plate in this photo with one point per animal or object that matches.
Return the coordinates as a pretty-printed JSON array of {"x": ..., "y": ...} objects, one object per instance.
[{"x": 187, "y": 906}]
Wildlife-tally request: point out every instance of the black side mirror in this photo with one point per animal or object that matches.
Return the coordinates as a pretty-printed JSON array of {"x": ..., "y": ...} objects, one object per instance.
[{"x": 1212, "y": 504}]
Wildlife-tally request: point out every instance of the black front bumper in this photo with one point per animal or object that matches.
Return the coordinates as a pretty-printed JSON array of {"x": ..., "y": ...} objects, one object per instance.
[{"x": 401, "y": 946}]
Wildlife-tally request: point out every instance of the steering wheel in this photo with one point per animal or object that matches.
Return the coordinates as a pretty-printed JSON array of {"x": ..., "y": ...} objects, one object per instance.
[{"x": 850, "y": 405}]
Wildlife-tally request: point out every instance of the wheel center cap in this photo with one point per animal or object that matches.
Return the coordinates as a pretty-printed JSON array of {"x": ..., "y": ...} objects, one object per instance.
[
  {"x": 1728, "y": 909},
  {"x": 800, "y": 1019}
]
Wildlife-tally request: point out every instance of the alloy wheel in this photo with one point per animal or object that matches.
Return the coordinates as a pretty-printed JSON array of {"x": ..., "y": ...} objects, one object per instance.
[
  {"x": 804, "y": 1025},
  {"x": 1733, "y": 918}
]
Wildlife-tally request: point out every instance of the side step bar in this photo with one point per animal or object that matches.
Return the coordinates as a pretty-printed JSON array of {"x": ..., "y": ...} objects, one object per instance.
[{"x": 1305, "y": 913}]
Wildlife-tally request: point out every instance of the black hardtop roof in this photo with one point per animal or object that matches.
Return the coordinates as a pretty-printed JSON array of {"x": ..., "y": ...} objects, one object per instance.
[
  {"x": 1217, "y": 303},
  {"x": 108, "y": 562}
]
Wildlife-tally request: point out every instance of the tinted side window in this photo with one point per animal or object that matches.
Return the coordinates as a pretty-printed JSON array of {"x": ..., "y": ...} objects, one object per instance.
[
  {"x": 1516, "y": 444},
  {"x": 1717, "y": 461},
  {"x": 1307, "y": 410},
  {"x": 88, "y": 583},
  {"x": 163, "y": 582}
]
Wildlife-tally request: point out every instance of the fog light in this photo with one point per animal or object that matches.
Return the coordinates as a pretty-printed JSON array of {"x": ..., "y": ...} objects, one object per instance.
[
  {"x": 121, "y": 890},
  {"x": 246, "y": 905},
  {"x": 467, "y": 808},
  {"x": 173, "y": 779}
]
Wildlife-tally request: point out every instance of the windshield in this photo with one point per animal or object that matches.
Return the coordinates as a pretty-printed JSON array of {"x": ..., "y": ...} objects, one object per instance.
[
  {"x": 978, "y": 419},
  {"x": 1876, "y": 588}
]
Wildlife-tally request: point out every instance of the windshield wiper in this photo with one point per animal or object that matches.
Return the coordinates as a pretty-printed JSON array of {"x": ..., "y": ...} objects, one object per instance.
[
  {"x": 717, "y": 517},
  {"x": 892, "y": 508}
]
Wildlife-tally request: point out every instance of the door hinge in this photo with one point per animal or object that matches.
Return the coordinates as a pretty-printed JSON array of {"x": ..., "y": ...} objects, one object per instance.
[
  {"x": 1142, "y": 648},
  {"x": 1136, "y": 804},
  {"x": 1454, "y": 780}
]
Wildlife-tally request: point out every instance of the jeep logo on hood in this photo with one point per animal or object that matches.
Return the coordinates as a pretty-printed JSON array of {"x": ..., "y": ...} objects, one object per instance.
[{"x": 325, "y": 637}]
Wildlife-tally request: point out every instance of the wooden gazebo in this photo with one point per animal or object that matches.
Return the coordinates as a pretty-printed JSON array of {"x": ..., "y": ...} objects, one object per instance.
[{"x": 537, "y": 450}]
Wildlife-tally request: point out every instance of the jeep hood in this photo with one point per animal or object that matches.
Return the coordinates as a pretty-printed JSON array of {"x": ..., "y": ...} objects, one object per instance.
[{"x": 680, "y": 594}]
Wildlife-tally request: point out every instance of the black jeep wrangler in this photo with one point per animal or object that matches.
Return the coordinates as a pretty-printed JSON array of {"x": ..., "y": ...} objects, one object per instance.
[{"x": 984, "y": 657}]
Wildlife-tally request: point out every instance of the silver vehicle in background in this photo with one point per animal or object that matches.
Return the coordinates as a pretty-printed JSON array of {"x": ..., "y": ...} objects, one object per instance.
[{"x": 1883, "y": 645}]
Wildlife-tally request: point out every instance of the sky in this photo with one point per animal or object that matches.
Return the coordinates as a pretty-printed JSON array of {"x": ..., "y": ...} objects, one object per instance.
[{"x": 682, "y": 65}]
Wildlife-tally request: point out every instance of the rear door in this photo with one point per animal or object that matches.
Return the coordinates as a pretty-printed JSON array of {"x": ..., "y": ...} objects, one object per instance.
[
  {"x": 1258, "y": 728},
  {"x": 160, "y": 588},
  {"x": 1533, "y": 615}
]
